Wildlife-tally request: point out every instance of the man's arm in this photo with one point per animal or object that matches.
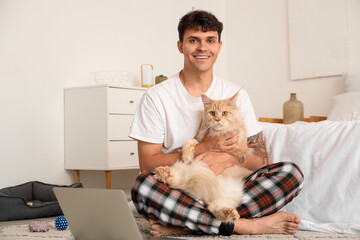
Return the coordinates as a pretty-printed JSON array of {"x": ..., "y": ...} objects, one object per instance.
[
  {"x": 150, "y": 156},
  {"x": 259, "y": 157},
  {"x": 219, "y": 161}
]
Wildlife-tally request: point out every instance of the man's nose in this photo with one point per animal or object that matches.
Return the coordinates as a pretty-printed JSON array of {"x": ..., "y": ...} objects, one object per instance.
[{"x": 201, "y": 46}]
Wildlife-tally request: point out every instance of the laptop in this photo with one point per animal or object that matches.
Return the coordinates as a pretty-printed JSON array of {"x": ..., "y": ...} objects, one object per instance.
[{"x": 99, "y": 214}]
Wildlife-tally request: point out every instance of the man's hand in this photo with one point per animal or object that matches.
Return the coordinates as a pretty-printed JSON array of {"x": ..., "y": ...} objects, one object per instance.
[
  {"x": 223, "y": 143},
  {"x": 218, "y": 161}
]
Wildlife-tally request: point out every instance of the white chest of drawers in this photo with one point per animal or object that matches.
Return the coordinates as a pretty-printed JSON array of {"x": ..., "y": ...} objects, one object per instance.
[{"x": 97, "y": 122}]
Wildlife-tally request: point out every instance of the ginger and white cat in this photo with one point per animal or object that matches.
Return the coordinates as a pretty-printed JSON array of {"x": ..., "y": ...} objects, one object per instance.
[{"x": 221, "y": 193}]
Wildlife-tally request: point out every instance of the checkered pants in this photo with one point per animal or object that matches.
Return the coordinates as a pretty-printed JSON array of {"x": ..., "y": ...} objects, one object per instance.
[{"x": 266, "y": 191}]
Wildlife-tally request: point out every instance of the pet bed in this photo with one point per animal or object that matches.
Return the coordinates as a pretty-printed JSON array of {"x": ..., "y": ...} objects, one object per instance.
[{"x": 30, "y": 200}]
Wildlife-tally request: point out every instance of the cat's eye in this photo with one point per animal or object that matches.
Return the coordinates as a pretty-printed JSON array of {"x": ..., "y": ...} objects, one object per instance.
[
  {"x": 225, "y": 113},
  {"x": 212, "y": 113}
]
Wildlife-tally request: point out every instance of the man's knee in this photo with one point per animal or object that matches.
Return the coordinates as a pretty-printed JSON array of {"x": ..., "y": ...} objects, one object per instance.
[
  {"x": 294, "y": 172},
  {"x": 143, "y": 180},
  {"x": 295, "y": 169}
]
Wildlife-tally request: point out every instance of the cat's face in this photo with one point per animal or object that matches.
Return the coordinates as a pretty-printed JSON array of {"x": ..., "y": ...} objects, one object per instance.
[{"x": 220, "y": 115}]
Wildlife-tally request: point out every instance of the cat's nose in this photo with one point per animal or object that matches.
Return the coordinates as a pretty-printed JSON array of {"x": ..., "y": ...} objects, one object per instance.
[{"x": 217, "y": 119}]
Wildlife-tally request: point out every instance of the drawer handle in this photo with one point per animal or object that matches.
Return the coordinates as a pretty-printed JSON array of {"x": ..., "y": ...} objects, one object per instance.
[
  {"x": 132, "y": 154},
  {"x": 131, "y": 101}
]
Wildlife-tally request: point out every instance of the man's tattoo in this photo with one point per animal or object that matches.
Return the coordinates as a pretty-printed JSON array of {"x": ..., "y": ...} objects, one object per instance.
[
  {"x": 256, "y": 143},
  {"x": 241, "y": 159}
]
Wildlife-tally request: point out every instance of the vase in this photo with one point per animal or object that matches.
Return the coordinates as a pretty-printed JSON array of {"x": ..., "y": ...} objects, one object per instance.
[{"x": 293, "y": 110}]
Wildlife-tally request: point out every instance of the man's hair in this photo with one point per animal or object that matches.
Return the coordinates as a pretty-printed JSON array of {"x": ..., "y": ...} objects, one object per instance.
[{"x": 199, "y": 20}]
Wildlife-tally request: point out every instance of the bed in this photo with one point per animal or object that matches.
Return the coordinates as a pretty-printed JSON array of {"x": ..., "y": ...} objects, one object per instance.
[{"x": 328, "y": 152}]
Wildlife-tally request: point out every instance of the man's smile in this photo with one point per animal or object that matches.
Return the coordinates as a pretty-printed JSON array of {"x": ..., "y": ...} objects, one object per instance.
[{"x": 201, "y": 56}]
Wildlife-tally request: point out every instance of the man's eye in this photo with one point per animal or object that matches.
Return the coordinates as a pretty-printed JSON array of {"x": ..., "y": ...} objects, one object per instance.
[
  {"x": 211, "y": 41},
  {"x": 192, "y": 41},
  {"x": 212, "y": 113}
]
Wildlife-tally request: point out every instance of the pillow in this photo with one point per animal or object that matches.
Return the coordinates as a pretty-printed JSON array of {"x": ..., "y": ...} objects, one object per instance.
[
  {"x": 345, "y": 107},
  {"x": 352, "y": 82}
]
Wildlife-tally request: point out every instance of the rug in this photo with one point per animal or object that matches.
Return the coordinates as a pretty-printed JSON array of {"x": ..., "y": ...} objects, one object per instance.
[{"x": 15, "y": 232}]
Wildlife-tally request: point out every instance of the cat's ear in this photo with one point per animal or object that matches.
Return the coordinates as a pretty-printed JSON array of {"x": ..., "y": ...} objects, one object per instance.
[
  {"x": 234, "y": 98},
  {"x": 206, "y": 100}
]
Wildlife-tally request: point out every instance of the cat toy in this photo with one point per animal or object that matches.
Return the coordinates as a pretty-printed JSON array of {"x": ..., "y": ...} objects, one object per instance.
[
  {"x": 39, "y": 226},
  {"x": 61, "y": 223}
]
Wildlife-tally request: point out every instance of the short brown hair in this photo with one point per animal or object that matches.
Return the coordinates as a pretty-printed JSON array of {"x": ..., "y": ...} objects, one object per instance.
[{"x": 199, "y": 19}]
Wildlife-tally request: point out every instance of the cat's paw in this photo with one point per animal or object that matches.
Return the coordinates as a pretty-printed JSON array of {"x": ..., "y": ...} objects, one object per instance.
[
  {"x": 163, "y": 174},
  {"x": 224, "y": 214},
  {"x": 231, "y": 215},
  {"x": 188, "y": 150}
]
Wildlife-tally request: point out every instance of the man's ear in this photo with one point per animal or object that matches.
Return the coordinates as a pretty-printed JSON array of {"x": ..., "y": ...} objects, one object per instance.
[
  {"x": 180, "y": 47},
  {"x": 220, "y": 43}
]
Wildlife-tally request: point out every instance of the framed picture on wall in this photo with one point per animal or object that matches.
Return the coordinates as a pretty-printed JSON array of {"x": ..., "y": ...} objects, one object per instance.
[{"x": 318, "y": 38}]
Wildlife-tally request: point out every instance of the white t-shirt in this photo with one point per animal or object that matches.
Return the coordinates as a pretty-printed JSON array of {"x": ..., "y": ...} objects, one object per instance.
[{"x": 168, "y": 114}]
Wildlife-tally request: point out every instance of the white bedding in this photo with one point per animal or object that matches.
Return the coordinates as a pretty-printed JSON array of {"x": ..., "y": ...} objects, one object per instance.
[{"x": 328, "y": 153}]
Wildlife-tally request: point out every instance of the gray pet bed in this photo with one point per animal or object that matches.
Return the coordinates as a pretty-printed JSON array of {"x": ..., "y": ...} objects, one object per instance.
[{"x": 30, "y": 200}]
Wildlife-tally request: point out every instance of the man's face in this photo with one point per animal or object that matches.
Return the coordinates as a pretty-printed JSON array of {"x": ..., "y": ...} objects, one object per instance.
[{"x": 200, "y": 49}]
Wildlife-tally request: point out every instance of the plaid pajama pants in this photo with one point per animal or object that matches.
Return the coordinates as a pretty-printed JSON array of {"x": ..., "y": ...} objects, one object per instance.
[{"x": 265, "y": 192}]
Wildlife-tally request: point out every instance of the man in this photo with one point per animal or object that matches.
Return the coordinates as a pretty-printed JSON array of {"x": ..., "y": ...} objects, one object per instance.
[{"x": 170, "y": 113}]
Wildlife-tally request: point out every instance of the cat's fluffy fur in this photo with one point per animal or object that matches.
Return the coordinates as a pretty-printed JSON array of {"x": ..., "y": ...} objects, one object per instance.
[{"x": 221, "y": 193}]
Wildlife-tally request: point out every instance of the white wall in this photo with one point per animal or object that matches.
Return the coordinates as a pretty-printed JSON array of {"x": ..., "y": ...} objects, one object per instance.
[{"x": 48, "y": 45}]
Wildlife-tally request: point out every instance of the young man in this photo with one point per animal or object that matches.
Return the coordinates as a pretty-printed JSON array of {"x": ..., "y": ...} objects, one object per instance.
[{"x": 170, "y": 113}]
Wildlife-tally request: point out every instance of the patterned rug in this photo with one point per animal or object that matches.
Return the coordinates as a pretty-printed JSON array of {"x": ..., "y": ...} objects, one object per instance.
[{"x": 15, "y": 232}]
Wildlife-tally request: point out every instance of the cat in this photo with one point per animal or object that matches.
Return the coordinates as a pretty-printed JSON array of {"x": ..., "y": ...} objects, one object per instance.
[{"x": 222, "y": 193}]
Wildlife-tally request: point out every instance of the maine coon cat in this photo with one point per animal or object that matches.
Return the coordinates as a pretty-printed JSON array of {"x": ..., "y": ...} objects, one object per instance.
[{"x": 221, "y": 193}]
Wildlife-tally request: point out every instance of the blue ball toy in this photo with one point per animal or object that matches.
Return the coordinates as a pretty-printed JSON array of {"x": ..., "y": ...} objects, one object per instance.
[{"x": 61, "y": 223}]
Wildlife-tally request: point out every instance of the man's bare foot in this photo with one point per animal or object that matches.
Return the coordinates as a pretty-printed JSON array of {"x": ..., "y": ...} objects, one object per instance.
[
  {"x": 158, "y": 230},
  {"x": 277, "y": 223}
]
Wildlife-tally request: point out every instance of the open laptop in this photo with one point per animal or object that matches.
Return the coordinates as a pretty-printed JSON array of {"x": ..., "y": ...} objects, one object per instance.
[{"x": 99, "y": 214}]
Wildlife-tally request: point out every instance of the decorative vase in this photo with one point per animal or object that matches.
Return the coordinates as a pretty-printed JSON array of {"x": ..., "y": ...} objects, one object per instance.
[{"x": 293, "y": 110}]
